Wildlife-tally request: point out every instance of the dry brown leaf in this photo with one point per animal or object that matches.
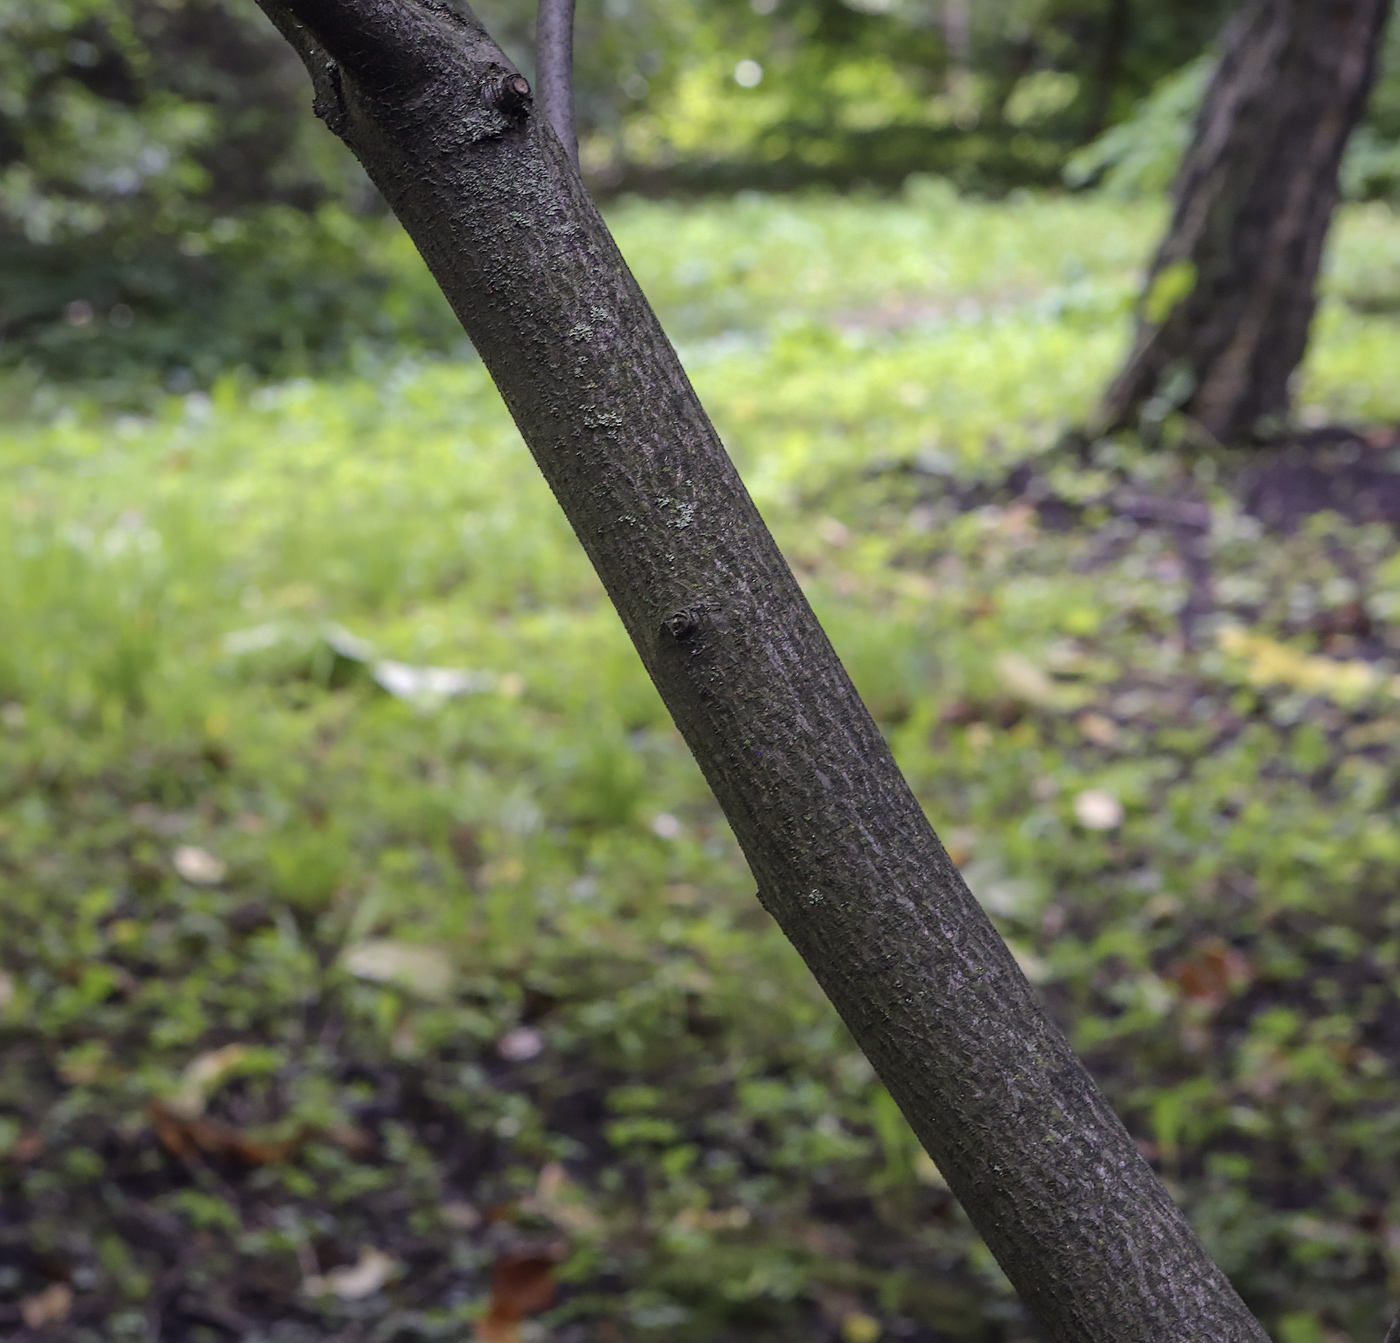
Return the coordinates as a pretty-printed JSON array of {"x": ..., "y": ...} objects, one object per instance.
[
  {"x": 522, "y": 1284},
  {"x": 28, "y": 1147},
  {"x": 51, "y": 1306},
  {"x": 1098, "y": 729},
  {"x": 352, "y": 1140},
  {"x": 491, "y": 1330},
  {"x": 1210, "y": 976},
  {"x": 185, "y": 1136}
]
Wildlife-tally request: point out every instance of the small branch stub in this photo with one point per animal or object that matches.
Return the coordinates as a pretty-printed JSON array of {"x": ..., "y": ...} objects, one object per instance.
[
  {"x": 507, "y": 93},
  {"x": 682, "y": 624}
]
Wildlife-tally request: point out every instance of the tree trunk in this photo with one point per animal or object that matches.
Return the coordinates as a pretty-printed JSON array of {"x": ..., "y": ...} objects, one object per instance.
[
  {"x": 844, "y": 858},
  {"x": 1108, "y": 69},
  {"x": 1223, "y": 322}
]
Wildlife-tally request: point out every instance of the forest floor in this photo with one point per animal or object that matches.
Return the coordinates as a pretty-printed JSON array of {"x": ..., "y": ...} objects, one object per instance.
[{"x": 375, "y": 965}]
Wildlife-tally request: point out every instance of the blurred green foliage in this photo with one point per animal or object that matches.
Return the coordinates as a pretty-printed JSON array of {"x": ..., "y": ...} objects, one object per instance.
[
  {"x": 164, "y": 114},
  {"x": 167, "y": 199},
  {"x": 491, "y": 967},
  {"x": 991, "y": 95},
  {"x": 1139, "y": 155}
]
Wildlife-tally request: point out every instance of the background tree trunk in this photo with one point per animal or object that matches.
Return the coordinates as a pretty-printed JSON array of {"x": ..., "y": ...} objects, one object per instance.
[
  {"x": 1108, "y": 70},
  {"x": 845, "y": 860},
  {"x": 1223, "y": 322}
]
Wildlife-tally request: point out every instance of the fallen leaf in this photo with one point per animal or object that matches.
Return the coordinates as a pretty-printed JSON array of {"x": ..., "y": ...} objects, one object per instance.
[
  {"x": 562, "y": 1201},
  {"x": 186, "y": 1136},
  {"x": 203, "y": 1075},
  {"x": 425, "y": 971},
  {"x": 350, "y": 1139},
  {"x": 461, "y": 1216},
  {"x": 198, "y": 866},
  {"x": 489, "y": 1329},
  {"x": 1025, "y": 680},
  {"x": 429, "y": 684},
  {"x": 349, "y": 646},
  {"x": 666, "y": 826},
  {"x": 257, "y": 639},
  {"x": 858, "y": 1327},
  {"x": 712, "y": 1219},
  {"x": 1098, "y": 729},
  {"x": 29, "y": 1147},
  {"x": 522, "y": 1284},
  {"x": 425, "y": 686},
  {"x": 1269, "y": 663},
  {"x": 1032, "y": 684},
  {"x": 1096, "y": 809},
  {"x": 520, "y": 1044},
  {"x": 51, "y": 1306},
  {"x": 1216, "y": 971},
  {"x": 368, "y": 1275}
]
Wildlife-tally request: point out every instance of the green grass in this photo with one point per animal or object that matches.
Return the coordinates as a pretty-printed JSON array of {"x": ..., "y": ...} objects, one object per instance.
[{"x": 1225, "y": 956}]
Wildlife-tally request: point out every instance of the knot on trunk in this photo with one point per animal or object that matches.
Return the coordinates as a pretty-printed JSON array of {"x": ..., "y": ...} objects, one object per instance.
[
  {"x": 508, "y": 93},
  {"x": 682, "y": 624}
]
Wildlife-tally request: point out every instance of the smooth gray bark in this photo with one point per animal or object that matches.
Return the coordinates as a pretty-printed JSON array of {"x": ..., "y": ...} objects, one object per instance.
[
  {"x": 1229, "y": 302},
  {"x": 554, "y": 62},
  {"x": 844, "y": 858}
]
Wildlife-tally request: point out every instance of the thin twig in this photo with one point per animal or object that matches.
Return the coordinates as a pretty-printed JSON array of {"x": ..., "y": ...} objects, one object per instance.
[
  {"x": 554, "y": 48},
  {"x": 1394, "y": 1335}
]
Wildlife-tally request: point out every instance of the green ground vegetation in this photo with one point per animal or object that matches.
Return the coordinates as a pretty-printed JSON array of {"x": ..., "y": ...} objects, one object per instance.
[{"x": 330, "y": 982}]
